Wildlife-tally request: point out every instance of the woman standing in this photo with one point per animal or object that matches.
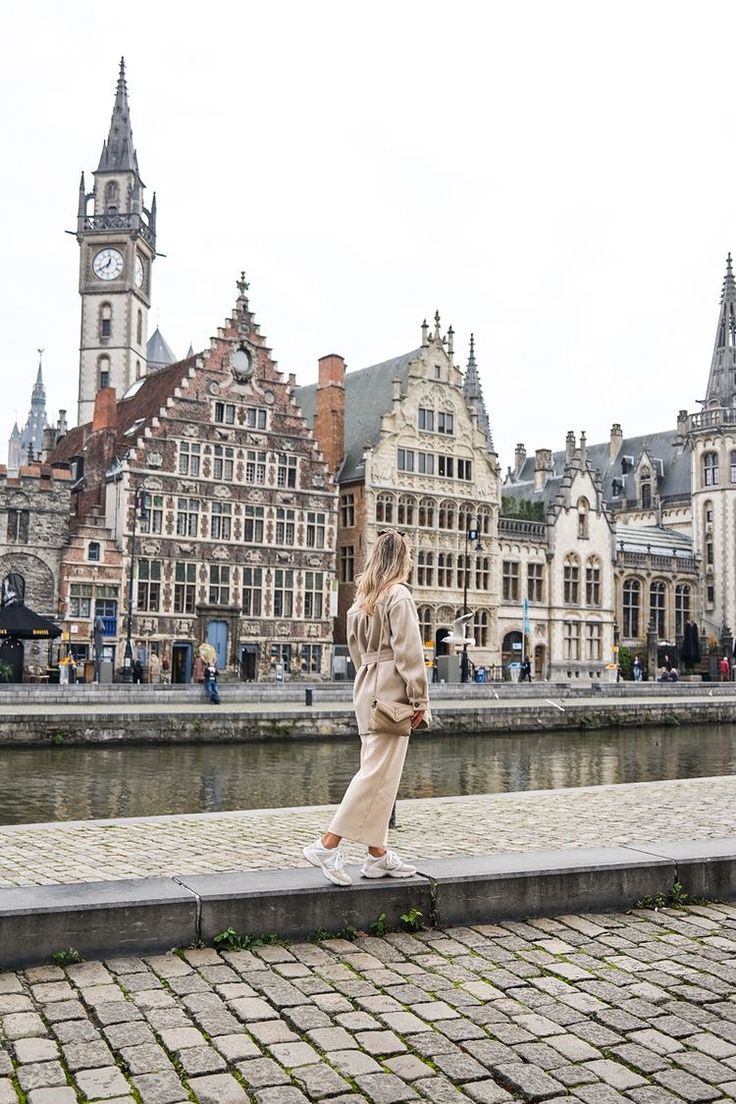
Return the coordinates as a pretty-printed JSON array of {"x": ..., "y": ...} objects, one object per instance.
[{"x": 386, "y": 648}]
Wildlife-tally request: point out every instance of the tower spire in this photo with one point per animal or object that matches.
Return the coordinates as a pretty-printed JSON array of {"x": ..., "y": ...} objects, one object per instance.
[
  {"x": 722, "y": 379},
  {"x": 474, "y": 395},
  {"x": 38, "y": 396},
  {"x": 118, "y": 151}
]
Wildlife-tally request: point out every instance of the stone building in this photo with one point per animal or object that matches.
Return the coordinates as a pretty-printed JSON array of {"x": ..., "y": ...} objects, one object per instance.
[
  {"x": 235, "y": 517},
  {"x": 410, "y": 445},
  {"x": 34, "y": 530}
]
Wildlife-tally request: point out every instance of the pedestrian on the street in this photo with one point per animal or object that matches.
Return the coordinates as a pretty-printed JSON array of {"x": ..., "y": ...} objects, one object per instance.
[
  {"x": 137, "y": 671},
  {"x": 210, "y": 683},
  {"x": 636, "y": 669},
  {"x": 198, "y": 669},
  {"x": 526, "y": 671},
  {"x": 725, "y": 668},
  {"x": 155, "y": 674},
  {"x": 386, "y": 648}
]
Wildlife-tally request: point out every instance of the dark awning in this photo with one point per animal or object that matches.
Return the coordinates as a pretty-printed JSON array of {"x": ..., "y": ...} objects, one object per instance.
[{"x": 19, "y": 621}]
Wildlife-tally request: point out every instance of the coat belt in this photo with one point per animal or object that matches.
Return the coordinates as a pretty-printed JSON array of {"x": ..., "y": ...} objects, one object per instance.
[{"x": 376, "y": 657}]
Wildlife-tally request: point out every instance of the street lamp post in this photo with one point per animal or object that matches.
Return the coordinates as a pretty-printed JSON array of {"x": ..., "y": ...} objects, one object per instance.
[
  {"x": 140, "y": 498},
  {"x": 471, "y": 534}
]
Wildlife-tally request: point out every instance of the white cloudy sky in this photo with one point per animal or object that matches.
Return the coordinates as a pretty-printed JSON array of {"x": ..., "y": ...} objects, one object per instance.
[{"x": 558, "y": 177}]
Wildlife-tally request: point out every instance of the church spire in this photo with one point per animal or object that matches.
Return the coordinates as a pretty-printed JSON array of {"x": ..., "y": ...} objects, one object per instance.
[
  {"x": 38, "y": 395},
  {"x": 118, "y": 151},
  {"x": 474, "y": 395},
  {"x": 722, "y": 378}
]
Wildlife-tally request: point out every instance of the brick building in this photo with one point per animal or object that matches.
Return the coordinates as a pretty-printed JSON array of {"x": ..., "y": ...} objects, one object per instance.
[{"x": 236, "y": 531}]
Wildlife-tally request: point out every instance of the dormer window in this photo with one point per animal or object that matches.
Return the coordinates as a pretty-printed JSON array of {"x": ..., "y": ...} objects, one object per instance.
[
  {"x": 583, "y": 511},
  {"x": 645, "y": 488}
]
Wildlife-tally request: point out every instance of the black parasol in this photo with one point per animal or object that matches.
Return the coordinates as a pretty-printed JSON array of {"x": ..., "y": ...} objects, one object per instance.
[{"x": 16, "y": 620}]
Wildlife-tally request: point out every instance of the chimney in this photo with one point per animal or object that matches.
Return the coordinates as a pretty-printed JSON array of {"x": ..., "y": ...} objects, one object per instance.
[
  {"x": 396, "y": 395},
  {"x": 569, "y": 446},
  {"x": 583, "y": 449},
  {"x": 329, "y": 412},
  {"x": 49, "y": 441},
  {"x": 519, "y": 459},
  {"x": 106, "y": 410},
  {"x": 683, "y": 422},
  {"x": 614, "y": 445},
  {"x": 543, "y": 467}
]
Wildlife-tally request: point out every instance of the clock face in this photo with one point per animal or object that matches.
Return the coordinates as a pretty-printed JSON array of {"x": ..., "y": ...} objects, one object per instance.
[
  {"x": 139, "y": 271},
  {"x": 108, "y": 264}
]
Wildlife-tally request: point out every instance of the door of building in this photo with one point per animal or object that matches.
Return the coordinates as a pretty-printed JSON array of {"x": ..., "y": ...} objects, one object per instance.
[
  {"x": 217, "y": 637},
  {"x": 249, "y": 662},
  {"x": 11, "y": 654},
  {"x": 181, "y": 661}
]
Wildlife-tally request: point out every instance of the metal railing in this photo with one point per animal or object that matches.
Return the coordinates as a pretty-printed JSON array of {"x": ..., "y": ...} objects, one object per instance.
[{"x": 119, "y": 221}]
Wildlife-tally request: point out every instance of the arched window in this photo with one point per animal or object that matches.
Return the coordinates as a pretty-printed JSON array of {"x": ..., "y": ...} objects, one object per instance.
[
  {"x": 682, "y": 607},
  {"x": 385, "y": 509},
  {"x": 426, "y": 513},
  {"x": 571, "y": 580},
  {"x": 444, "y": 569},
  {"x": 710, "y": 469},
  {"x": 593, "y": 582},
  {"x": 482, "y": 572},
  {"x": 139, "y": 328},
  {"x": 658, "y": 608},
  {"x": 707, "y": 515},
  {"x": 446, "y": 516},
  {"x": 425, "y": 568},
  {"x": 103, "y": 372},
  {"x": 105, "y": 321},
  {"x": 583, "y": 511},
  {"x": 94, "y": 551},
  {"x": 631, "y": 608},
  {"x": 484, "y": 520},
  {"x": 480, "y": 628},
  {"x": 645, "y": 488},
  {"x": 424, "y": 614},
  {"x": 405, "y": 513},
  {"x": 112, "y": 196}
]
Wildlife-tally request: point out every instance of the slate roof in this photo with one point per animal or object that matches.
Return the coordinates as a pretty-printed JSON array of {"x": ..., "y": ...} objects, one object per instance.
[
  {"x": 656, "y": 538},
  {"x": 674, "y": 472},
  {"x": 140, "y": 407},
  {"x": 368, "y": 396},
  {"x": 158, "y": 351}
]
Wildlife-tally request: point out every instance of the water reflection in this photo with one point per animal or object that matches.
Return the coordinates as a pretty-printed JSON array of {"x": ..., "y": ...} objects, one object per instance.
[{"x": 79, "y": 783}]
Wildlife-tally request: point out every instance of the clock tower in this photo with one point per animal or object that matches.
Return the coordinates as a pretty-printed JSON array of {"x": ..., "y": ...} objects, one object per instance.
[{"x": 117, "y": 246}]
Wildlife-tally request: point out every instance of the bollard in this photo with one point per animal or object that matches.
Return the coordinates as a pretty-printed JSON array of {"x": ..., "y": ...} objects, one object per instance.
[{"x": 308, "y": 695}]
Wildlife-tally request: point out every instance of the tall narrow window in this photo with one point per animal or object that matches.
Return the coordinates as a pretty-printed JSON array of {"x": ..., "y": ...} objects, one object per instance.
[
  {"x": 252, "y": 591},
  {"x": 105, "y": 321},
  {"x": 425, "y": 623},
  {"x": 583, "y": 511},
  {"x": 510, "y": 581},
  {"x": 347, "y": 511},
  {"x": 286, "y": 470},
  {"x": 426, "y": 513},
  {"x": 425, "y": 568},
  {"x": 283, "y": 593},
  {"x": 313, "y": 595},
  {"x": 103, "y": 370},
  {"x": 139, "y": 328},
  {"x": 316, "y": 521},
  {"x": 94, "y": 551},
  {"x": 631, "y": 608},
  {"x": 645, "y": 487},
  {"x": 219, "y": 589},
  {"x": 571, "y": 640},
  {"x": 592, "y": 582},
  {"x": 682, "y": 608},
  {"x": 112, "y": 197},
  {"x": 222, "y": 463},
  {"x": 593, "y": 642},
  {"x": 347, "y": 563},
  {"x": 385, "y": 509},
  {"x": 406, "y": 511},
  {"x": 571, "y": 580},
  {"x": 185, "y": 587},
  {"x": 733, "y": 466},
  {"x": 285, "y": 526},
  {"x": 482, "y": 572},
  {"x": 535, "y": 581},
  {"x": 657, "y": 607},
  {"x": 18, "y": 526},
  {"x": 710, "y": 469},
  {"x": 253, "y": 524},
  {"x": 149, "y": 586},
  {"x": 221, "y": 521},
  {"x": 187, "y": 517},
  {"x": 152, "y": 519}
]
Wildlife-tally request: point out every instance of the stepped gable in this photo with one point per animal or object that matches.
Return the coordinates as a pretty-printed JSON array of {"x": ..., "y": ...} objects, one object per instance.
[{"x": 368, "y": 396}]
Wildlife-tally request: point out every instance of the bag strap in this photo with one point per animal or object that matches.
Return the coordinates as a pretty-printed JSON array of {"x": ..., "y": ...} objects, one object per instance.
[{"x": 375, "y": 675}]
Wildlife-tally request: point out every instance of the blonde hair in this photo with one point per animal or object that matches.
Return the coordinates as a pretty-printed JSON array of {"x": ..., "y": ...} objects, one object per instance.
[{"x": 388, "y": 563}]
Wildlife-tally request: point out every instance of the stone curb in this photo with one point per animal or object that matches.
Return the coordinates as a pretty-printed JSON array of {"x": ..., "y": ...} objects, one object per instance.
[{"x": 152, "y": 915}]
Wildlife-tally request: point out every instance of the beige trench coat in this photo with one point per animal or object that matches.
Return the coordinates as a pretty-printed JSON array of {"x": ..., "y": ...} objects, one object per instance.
[{"x": 402, "y": 676}]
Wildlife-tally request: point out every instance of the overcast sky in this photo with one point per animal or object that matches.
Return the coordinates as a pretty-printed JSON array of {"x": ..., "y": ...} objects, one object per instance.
[{"x": 556, "y": 177}]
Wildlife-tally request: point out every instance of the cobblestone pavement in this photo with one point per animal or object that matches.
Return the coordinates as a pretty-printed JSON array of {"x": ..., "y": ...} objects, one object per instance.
[
  {"x": 600, "y": 1009},
  {"x": 260, "y": 839}
]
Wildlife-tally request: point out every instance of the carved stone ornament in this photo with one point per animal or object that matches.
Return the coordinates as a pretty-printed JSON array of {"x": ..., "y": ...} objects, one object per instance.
[
  {"x": 187, "y": 487},
  {"x": 314, "y": 561},
  {"x": 155, "y": 459},
  {"x": 253, "y": 555},
  {"x": 185, "y": 549},
  {"x": 283, "y": 556},
  {"x": 242, "y": 363},
  {"x": 269, "y": 397},
  {"x": 287, "y": 446},
  {"x": 250, "y": 628},
  {"x": 220, "y": 553},
  {"x": 182, "y": 628},
  {"x": 222, "y": 491},
  {"x": 189, "y": 429},
  {"x": 256, "y": 496},
  {"x": 282, "y": 629},
  {"x": 150, "y": 548},
  {"x": 154, "y": 484},
  {"x": 213, "y": 387},
  {"x": 318, "y": 481}
]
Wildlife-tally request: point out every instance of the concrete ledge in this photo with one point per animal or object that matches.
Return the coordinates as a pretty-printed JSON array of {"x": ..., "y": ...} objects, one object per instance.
[
  {"x": 296, "y": 903},
  {"x": 140, "y": 916},
  {"x": 706, "y": 868},
  {"x": 493, "y": 887},
  {"x": 150, "y": 915}
]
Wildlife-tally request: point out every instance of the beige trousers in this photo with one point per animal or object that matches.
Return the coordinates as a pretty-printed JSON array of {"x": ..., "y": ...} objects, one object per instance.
[{"x": 365, "y": 810}]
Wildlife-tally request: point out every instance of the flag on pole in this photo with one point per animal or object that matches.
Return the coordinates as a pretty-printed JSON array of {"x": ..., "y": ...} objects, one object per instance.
[{"x": 527, "y": 625}]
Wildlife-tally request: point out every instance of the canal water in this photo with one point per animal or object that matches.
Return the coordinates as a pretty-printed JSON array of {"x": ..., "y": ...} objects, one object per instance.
[{"x": 79, "y": 783}]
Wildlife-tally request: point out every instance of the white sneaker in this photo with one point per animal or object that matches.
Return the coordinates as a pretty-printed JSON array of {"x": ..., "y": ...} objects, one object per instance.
[
  {"x": 388, "y": 866},
  {"x": 330, "y": 861}
]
